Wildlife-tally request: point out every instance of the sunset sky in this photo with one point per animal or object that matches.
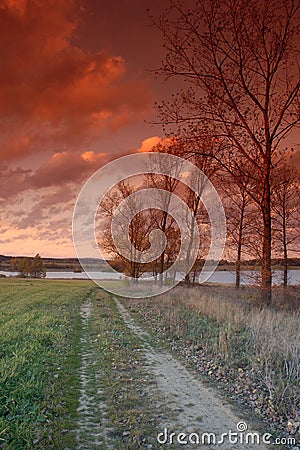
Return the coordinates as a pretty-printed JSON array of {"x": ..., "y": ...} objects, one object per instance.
[{"x": 77, "y": 88}]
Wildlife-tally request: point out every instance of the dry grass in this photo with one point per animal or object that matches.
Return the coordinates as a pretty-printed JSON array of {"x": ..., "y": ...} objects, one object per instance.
[{"x": 227, "y": 325}]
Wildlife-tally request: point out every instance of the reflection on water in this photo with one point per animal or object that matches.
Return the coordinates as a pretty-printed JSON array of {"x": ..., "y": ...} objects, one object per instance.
[{"x": 222, "y": 276}]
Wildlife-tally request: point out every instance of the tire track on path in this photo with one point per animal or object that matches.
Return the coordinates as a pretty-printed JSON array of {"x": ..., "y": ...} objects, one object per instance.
[
  {"x": 197, "y": 408},
  {"x": 91, "y": 432}
]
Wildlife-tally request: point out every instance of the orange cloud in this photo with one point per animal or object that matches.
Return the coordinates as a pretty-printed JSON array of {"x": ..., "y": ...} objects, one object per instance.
[
  {"x": 13, "y": 181},
  {"x": 41, "y": 201},
  {"x": 62, "y": 168},
  {"x": 52, "y": 91},
  {"x": 149, "y": 143},
  {"x": 16, "y": 6}
]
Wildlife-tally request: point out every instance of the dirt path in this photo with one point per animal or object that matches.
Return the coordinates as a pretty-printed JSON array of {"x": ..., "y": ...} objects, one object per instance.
[
  {"x": 90, "y": 433},
  {"x": 197, "y": 408}
]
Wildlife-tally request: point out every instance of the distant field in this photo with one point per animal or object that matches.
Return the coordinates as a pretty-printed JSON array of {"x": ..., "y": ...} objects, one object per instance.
[{"x": 39, "y": 324}]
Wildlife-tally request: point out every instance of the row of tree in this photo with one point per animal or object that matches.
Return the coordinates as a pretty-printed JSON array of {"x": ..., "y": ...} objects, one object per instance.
[
  {"x": 239, "y": 63},
  {"x": 244, "y": 221},
  {"x": 239, "y": 60}
]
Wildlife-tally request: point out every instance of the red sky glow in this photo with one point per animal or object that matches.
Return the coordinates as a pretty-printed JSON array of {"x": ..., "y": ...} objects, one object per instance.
[{"x": 76, "y": 89}]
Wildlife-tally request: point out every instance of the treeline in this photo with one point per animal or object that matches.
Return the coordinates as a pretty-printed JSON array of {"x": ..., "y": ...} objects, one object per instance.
[
  {"x": 56, "y": 263},
  {"x": 122, "y": 266},
  {"x": 238, "y": 102},
  {"x": 243, "y": 216}
]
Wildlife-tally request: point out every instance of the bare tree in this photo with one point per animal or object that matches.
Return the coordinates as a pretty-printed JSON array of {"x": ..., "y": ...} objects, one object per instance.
[
  {"x": 138, "y": 232},
  {"x": 239, "y": 214},
  {"x": 240, "y": 61},
  {"x": 165, "y": 185},
  {"x": 286, "y": 212},
  {"x": 199, "y": 214}
]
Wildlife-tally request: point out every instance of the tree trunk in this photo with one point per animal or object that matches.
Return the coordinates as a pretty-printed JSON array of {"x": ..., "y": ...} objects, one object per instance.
[
  {"x": 187, "y": 279},
  {"x": 238, "y": 273},
  {"x": 194, "y": 276},
  {"x": 162, "y": 256},
  {"x": 193, "y": 224},
  {"x": 239, "y": 251},
  {"x": 266, "y": 273},
  {"x": 285, "y": 255}
]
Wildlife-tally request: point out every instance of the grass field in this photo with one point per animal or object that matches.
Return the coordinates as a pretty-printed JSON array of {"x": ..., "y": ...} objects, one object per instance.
[
  {"x": 39, "y": 325},
  {"x": 41, "y": 353},
  {"x": 51, "y": 359}
]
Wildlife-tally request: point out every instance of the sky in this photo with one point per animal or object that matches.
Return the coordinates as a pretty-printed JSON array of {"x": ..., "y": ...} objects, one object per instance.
[{"x": 77, "y": 88}]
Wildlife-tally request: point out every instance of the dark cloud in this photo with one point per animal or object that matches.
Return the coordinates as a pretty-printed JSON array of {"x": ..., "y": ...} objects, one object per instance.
[
  {"x": 66, "y": 96},
  {"x": 49, "y": 206},
  {"x": 13, "y": 181},
  {"x": 66, "y": 167},
  {"x": 52, "y": 91}
]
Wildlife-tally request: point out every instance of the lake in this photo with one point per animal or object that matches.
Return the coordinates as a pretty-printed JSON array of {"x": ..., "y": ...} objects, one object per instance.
[{"x": 221, "y": 276}]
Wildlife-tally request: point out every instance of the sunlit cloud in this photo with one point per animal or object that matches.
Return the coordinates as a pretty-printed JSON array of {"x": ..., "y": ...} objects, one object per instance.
[{"x": 149, "y": 143}]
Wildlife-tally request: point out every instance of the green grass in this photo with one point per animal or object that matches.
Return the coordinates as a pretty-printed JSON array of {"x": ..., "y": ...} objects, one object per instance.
[
  {"x": 39, "y": 327},
  {"x": 131, "y": 408},
  {"x": 41, "y": 350}
]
